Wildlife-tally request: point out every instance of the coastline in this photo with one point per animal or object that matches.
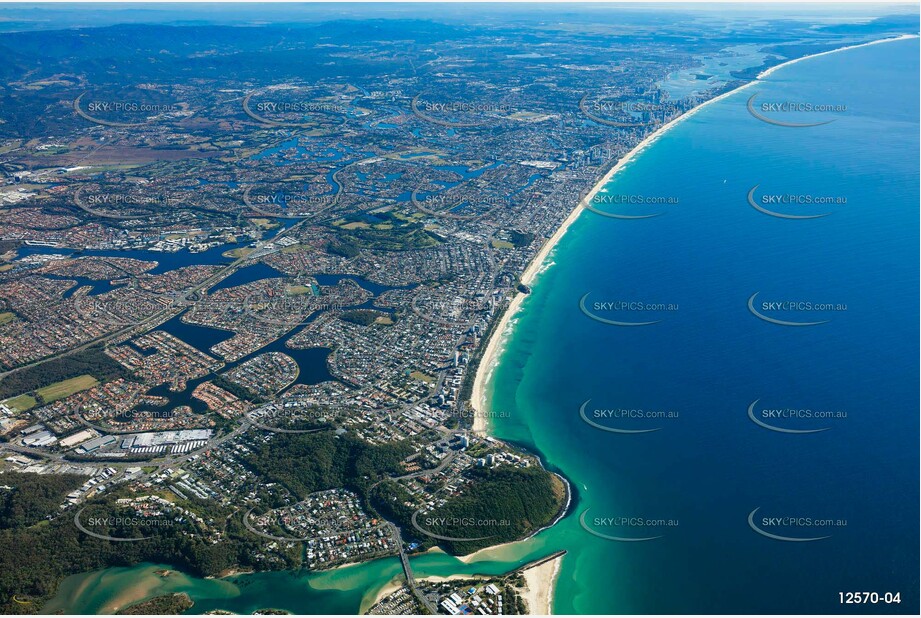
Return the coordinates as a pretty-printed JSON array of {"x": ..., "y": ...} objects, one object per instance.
[
  {"x": 490, "y": 354},
  {"x": 539, "y": 583},
  {"x": 767, "y": 72},
  {"x": 540, "y": 578},
  {"x": 389, "y": 588},
  {"x": 545, "y": 261},
  {"x": 468, "y": 558}
]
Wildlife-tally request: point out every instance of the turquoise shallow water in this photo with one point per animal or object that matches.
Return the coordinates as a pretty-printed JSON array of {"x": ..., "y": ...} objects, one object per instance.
[
  {"x": 705, "y": 469},
  {"x": 708, "y": 465}
]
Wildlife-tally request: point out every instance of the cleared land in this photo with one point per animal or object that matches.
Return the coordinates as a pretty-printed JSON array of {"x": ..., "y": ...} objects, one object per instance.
[
  {"x": 239, "y": 252},
  {"x": 64, "y": 388},
  {"x": 21, "y": 403}
]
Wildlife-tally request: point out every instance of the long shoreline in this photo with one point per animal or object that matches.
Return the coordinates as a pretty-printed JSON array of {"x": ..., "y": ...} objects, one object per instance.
[{"x": 490, "y": 354}]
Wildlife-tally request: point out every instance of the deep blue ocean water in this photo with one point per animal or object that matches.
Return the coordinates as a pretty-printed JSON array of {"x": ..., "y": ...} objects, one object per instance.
[
  {"x": 705, "y": 470},
  {"x": 708, "y": 468}
]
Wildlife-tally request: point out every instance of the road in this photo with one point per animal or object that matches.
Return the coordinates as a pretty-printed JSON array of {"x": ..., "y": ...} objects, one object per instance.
[
  {"x": 171, "y": 312},
  {"x": 166, "y": 461},
  {"x": 408, "y": 571},
  {"x": 286, "y": 539}
]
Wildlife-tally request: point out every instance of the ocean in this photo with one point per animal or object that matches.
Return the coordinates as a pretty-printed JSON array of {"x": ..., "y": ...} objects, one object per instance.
[
  {"x": 745, "y": 429},
  {"x": 692, "y": 375}
]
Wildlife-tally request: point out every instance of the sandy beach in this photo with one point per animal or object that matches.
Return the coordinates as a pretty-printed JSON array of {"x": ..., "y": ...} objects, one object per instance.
[
  {"x": 493, "y": 552},
  {"x": 490, "y": 356},
  {"x": 767, "y": 72},
  {"x": 539, "y": 582},
  {"x": 389, "y": 588}
]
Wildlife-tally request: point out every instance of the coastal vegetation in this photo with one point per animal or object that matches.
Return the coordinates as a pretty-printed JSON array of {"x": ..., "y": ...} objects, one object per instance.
[
  {"x": 378, "y": 397},
  {"x": 165, "y": 605},
  {"x": 499, "y": 505},
  {"x": 57, "y": 548}
]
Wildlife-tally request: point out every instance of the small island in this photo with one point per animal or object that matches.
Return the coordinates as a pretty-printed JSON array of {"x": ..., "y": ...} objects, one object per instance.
[{"x": 165, "y": 605}]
